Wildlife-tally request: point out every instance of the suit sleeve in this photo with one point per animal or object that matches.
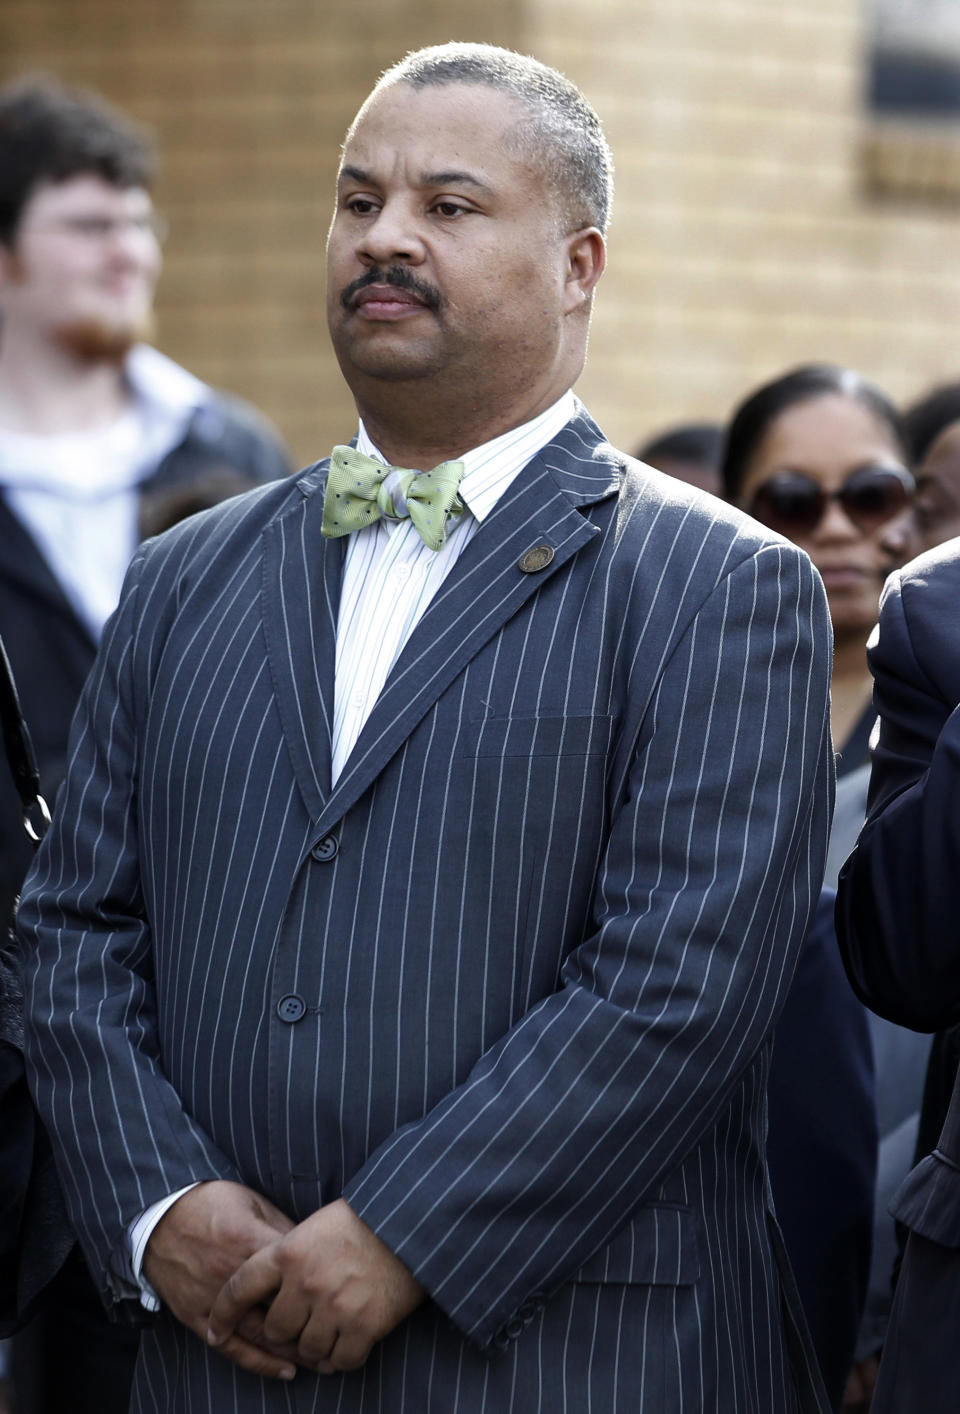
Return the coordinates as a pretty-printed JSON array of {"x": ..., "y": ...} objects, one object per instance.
[
  {"x": 899, "y": 892},
  {"x": 712, "y": 865},
  {"x": 121, "y": 1137}
]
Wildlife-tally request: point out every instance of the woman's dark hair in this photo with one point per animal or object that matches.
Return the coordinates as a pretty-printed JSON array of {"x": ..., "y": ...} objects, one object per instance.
[
  {"x": 755, "y": 415},
  {"x": 925, "y": 419},
  {"x": 49, "y": 133}
]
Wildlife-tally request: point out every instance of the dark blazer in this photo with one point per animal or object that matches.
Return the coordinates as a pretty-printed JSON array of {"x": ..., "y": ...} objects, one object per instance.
[
  {"x": 508, "y": 986},
  {"x": 897, "y": 911},
  {"x": 822, "y": 1146}
]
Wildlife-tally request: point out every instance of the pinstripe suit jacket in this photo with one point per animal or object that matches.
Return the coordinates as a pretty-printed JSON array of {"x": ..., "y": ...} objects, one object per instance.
[{"x": 508, "y": 986}]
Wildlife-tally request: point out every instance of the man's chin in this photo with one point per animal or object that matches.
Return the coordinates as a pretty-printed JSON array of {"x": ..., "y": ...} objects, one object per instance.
[
  {"x": 390, "y": 365},
  {"x": 395, "y": 373},
  {"x": 104, "y": 341},
  {"x": 386, "y": 352}
]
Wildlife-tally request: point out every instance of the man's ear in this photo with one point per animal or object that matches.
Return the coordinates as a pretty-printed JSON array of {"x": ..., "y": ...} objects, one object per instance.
[{"x": 586, "y": 258}]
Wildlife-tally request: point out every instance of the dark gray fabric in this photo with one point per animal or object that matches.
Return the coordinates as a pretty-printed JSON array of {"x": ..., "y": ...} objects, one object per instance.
[
  {"x": 35, "y": 1234},
  {"x": 920, "y": 1369},
  {"x": 822, "y": 1146},
  {"x": 896, "y": 915},
  {"x": 897, "y": 911}
]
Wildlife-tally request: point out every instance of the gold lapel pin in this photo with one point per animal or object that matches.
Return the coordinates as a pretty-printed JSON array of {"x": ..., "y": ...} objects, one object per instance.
[{"x": 536, "y": 559}]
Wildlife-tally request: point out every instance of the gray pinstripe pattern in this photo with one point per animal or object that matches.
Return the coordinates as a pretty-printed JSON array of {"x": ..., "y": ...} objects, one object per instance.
[{"x": 537, "y": 1071}]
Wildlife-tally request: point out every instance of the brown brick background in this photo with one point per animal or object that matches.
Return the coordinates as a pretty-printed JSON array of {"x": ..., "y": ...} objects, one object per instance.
[{"x": 743, "y": 239}]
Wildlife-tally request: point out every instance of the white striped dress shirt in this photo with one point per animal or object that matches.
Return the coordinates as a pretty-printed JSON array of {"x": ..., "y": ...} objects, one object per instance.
[{"x": 390, "y": 575}]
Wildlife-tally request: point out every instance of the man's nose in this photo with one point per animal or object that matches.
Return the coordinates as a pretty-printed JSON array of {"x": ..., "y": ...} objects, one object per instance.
[
  {"x": 393, "y": 234},
  {"x": 128, "y": 240}
]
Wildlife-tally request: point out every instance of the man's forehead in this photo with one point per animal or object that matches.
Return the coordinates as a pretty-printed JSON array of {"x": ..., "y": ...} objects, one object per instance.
[
  {"x": 453, "y": 107},
  {"x": 455, "y": 132},
  {"x": 84, "y": 189}
]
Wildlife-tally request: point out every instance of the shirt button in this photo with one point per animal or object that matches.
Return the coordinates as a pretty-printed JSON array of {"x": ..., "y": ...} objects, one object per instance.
[
  {"x": 326, "y": 849},
  {"x": 291, "y": 1008},
  {"x": 401, "y": 571}
]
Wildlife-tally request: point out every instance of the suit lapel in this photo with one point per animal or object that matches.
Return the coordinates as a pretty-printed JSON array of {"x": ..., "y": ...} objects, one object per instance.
[
  {"x": 485, "y": 589},
  {"x": 299, "y": 602}
]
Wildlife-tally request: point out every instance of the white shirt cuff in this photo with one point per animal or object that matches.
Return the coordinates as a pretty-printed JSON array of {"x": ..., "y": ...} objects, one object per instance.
[{"x": 138, "y": 1235}]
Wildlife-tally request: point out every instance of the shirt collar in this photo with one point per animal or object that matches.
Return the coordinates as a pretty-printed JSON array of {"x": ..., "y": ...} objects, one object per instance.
[
  {"x": 156, "y": 380},
  {"x": 168, "y": 398},
  {"x": 490, "y": 468}
]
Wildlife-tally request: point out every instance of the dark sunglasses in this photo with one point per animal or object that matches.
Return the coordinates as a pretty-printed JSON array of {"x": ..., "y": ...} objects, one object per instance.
[{"x": 795, "y": 504}]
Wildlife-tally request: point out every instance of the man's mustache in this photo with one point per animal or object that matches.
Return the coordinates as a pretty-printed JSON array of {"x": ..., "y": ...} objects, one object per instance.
[{"x": 401, "y": 278}]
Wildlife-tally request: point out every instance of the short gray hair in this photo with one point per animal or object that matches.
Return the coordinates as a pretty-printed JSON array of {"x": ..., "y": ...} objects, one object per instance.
[{"x": 565, "y": 139}]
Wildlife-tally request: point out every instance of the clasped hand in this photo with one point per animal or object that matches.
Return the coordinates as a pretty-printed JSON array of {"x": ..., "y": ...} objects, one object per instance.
[
  {"x": 333, "y": 1288},
  {"x": 270, "y": 1295}
]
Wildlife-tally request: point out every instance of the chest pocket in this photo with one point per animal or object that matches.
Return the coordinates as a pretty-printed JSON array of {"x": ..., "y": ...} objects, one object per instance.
[{"x": 505, "y": 737}]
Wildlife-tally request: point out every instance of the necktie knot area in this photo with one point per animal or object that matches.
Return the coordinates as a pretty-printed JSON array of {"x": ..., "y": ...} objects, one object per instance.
[
  {"x": 391, "y": 496},
  {"x": 361, "y": 489}
]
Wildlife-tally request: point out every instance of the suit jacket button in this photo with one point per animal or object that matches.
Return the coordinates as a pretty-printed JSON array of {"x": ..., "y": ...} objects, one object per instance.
[
  {"x": 326, "y": 849},
  {"x": 291, "y": 1008}
]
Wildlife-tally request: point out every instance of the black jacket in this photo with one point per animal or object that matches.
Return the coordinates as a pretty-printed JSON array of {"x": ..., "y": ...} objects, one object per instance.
[{"x": 897, "y": 910}]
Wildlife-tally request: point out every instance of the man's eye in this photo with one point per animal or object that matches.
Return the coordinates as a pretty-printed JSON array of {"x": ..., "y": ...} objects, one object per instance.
[
  {"x": 449, "y": 208},
  {"x": 98, "y": 226},
  {"x": 361, "y": 205}
]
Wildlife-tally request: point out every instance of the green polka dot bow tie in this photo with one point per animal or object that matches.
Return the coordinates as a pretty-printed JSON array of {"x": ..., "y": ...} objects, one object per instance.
[{"x": 359, "y": 489}]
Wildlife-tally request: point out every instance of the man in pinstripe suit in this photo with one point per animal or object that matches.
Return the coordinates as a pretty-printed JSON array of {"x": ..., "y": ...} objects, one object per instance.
[{"x": 404, "y": 956}]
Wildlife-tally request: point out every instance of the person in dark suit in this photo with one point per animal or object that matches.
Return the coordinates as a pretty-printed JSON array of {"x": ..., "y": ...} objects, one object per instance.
[
  {"x": 441, "y": 830},
  {"x": 96, "y": 428},
  {"x": 896, "y": 918}
]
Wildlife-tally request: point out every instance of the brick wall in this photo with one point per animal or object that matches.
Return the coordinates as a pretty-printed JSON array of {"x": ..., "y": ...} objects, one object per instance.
[{"x": 742, "y": 241}]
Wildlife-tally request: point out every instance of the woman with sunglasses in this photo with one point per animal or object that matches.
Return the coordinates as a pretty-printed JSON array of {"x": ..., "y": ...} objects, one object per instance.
[{"x": 819, "y": 455}]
